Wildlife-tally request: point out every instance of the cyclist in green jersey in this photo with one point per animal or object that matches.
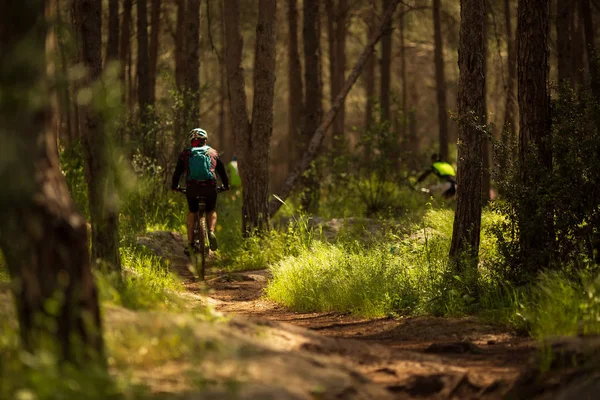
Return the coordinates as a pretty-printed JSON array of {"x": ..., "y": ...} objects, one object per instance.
[{"x": 445, "y": 172}]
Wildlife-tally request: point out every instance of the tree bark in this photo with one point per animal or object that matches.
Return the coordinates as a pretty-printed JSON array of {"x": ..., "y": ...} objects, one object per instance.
[
  {"x": 223, "y": 142},
  {"x": 50, "y": 14},
  {"x": 563, "y": 39},
  {"x": 577, "y": 48},
  {"x": 65, "y": 89},
  {"x": 180, "y": 45},
  {"x": 112, "y": 45},
  {"x": 192, "y": 63},
  {"x": 154, "y": 42},
  {"x": 471, "y": 94},
  {"x": 256, "y": 168},
  {"x": 592, "y": 54},
  {"x": 317, "y": 138},
  {"x": 143, "y": 73},
  {"x": 296, "y": 91},
  {"x": 104, "y": 209},
  {"x": 440, "y": 79},
  {"x": 252, "y": 138},
  {"x": 510, "y": 113},
  {"x": 125, "y": 46},
  {"x": 330, "y": 9},
  {"x": 341, "y": 34},
  {"x": 370, "y": 75},
  {"x": 535, "y": 156},
  {"x": 309, "y": 198},
  {"x": 486, "y": 180},
  {"x": 337, "y": 30},
  {"x": 402, "y": 31},
  {"x": 41, "y": 235},
  {"x": 386, "y": 61}
]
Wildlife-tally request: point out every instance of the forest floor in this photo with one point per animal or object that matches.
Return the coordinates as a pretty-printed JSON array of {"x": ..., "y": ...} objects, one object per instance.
[{"x": 396, "y": 358}]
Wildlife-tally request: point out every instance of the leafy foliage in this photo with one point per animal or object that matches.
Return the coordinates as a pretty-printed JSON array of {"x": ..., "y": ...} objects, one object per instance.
[{"x": 571, "y": 189}]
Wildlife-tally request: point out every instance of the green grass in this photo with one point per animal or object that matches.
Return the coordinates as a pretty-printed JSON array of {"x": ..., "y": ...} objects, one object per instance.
[
  {"x": 404, "y": 275},
  {"x": 146, "y": 282},
  {"x": 136, "y": 341},
  {"x": 560, "y": 305}
]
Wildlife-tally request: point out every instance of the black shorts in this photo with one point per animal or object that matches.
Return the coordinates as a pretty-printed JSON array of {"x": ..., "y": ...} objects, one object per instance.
[
  {"x": 452, "y": 191},
  {"x": 195, "y": 193}
]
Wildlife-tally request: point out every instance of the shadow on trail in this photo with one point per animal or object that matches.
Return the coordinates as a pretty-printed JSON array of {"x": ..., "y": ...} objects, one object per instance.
[{"x": 416, "y": 357}]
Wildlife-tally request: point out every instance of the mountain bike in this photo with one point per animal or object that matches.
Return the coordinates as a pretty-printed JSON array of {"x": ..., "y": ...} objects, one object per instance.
[{"x": 200, "y": 251}]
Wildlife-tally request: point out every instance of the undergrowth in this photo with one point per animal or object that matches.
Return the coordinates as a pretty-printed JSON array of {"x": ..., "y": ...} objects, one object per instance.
[
  {"x": 146, "y": 282},
  {"x": 406, "y": 274}
]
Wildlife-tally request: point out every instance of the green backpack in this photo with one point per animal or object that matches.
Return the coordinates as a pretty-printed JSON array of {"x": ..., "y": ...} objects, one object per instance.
[{"x": 201, "y": 164}]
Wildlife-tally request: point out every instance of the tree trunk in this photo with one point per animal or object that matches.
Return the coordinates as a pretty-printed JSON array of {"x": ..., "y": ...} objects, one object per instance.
[
  {"x": 510, "y": 113},
  {"x": 240, "y": 121},
  {"x": 440, "y": 79},
  {"x": 577, "y": 48},
  {"x": 370, "y": 75},
  {"x": 340, "y": 73},
  {"x": 252, "y": 139},
  {"x": 192, "y": 63},
  {"x": 180, "y": 45},
  {"x": 65, "y": 88},
  {"x": 386, "y": 61},
  {"x": 125, "y": 48},
  {"x": 153, "y": 54},
  {"x": 535, "y": 157},
  {"x": 592, "y": 54},
  {"x": 486, "y": 177},
  {"x": 53, "y": 75},
  {"x": 563, "y": 40},
  {"x": 314, "y": 96},
  {"x": 104, "y": 209},
  {"x": 317, "y": 138},
  {"x": 143, "y": 73},
  {"x": 42, "y": 236},
  {"x": 404, "y": 94},
  {"x": 471, "y": 97},
  {"x": 330, "y": 9},
  {"x": 296, "y": 91},
  {"x": 256, "y": 168},
  {"x": 223, "y": 142},
  {"x": 112, "y": 45},
  {"x": 336, "y": 27}
]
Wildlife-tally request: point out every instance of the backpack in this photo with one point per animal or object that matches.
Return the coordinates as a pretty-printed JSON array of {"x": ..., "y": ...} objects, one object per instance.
[{"x": 200, "y": 163}]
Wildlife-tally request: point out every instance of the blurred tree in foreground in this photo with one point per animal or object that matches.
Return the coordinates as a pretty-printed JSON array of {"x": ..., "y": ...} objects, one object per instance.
[{"x": 42, "y": 237}]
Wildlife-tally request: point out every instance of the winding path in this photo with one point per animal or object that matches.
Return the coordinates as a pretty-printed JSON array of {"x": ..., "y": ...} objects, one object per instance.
[{"x": 421, "y": 357}]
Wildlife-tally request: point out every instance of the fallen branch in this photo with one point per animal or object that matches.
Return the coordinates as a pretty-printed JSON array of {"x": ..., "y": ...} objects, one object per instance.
[{"x": 317, "y": 138}]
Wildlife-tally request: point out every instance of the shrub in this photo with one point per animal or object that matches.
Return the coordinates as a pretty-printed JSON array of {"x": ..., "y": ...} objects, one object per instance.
[{"x": 569, "y": 190}]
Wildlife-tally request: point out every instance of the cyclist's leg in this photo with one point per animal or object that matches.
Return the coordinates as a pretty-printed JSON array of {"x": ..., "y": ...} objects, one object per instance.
[
  {"x": 211, "y": 220},
  {"x": 210, "y": 196}
]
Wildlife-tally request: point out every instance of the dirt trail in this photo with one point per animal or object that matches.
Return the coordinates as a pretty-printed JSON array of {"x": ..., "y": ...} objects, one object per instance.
[
  {"x": 424, "y": 357},
  {"x": 421, "y": 357}
]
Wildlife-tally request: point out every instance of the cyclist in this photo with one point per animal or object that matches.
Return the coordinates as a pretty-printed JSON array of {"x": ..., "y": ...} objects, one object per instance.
[
  {"x": 445, "y": 172},
  {"x": 200, "y": 161}
]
